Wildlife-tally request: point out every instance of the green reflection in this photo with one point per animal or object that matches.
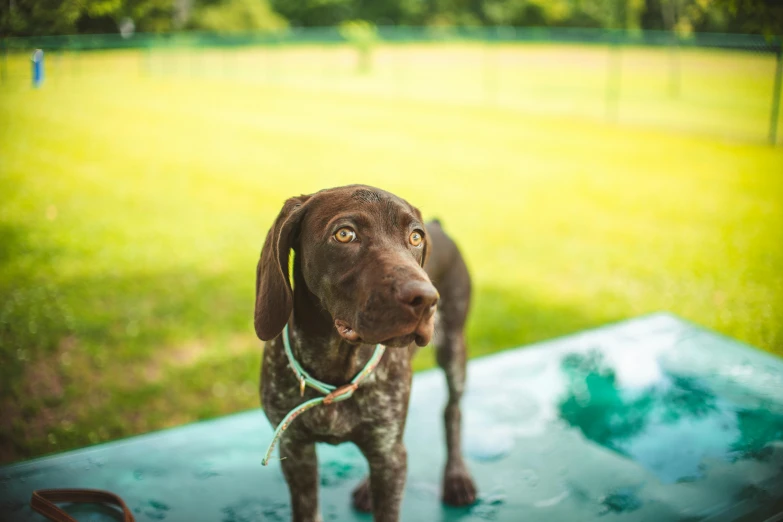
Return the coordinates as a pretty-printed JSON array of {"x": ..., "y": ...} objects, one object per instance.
[{"x": 670, "y": 426}]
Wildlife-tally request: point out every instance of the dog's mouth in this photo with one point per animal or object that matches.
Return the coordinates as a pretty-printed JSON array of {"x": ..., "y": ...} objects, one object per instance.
[
  {"x": 346, "y": 332},
  {"x": 419, "y": 332}
]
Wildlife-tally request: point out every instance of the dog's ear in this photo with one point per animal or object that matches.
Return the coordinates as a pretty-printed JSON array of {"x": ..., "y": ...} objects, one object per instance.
[{"x": 274, "y": 295}]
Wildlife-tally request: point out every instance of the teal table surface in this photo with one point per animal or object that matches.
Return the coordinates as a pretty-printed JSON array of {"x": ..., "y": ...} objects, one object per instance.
[{"x": 650, "y": 419}]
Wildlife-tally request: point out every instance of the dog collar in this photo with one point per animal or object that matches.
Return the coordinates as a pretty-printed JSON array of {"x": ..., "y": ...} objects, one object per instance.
[{"x": 331, "y": 393}]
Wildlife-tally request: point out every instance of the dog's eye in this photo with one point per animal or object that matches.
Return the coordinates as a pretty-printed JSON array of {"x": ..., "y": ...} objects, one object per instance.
[
  {"x": 345, "y": 235},
  {"x": 416, "y": 238}
]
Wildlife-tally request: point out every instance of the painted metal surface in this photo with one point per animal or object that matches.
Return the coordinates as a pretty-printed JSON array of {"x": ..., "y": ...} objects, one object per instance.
[{"x": 650, "y": 419}]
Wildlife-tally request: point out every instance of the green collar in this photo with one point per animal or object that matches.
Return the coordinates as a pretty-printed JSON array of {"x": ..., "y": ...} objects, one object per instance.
[{"x": 332, "y": 393}]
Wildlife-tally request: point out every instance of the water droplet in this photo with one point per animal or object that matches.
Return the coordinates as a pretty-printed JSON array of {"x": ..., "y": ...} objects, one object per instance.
[
  {"x": 206, "y": 472},
  {"x": 553, "y": 501},
  {"x": 530, "y": 477},
  {"x": 621, "y": 501},
  {"x": 159, "y": 505},
  {"x": 495, "y": 500},
  {"x": 334, "y": 473},
  {"x": 252, "y": 509},
  {"x": 487, "y": 508}
]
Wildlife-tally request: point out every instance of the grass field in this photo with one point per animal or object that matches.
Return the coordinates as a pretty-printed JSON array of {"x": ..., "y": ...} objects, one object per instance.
[{"x": 133, "y": 207}]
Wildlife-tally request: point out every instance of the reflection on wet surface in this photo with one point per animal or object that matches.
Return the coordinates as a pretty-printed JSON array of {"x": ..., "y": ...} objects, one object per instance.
[
  {"x": 670, "y": 426},
  {"x": 651, "y": 419},
  {"x": 250, "y": 510}
]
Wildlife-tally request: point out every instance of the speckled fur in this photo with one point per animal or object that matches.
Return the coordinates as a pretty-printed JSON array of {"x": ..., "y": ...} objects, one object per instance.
[{"x": 374, "y": 418}]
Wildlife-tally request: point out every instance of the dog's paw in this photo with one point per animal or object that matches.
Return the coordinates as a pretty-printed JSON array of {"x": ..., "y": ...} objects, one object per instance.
[
  {"x": 362, "y": 499},
  {"x": 458, "y": 488}
]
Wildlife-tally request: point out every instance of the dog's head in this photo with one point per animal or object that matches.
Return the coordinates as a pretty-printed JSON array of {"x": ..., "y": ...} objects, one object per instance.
[{"x": 360, "y": 251}]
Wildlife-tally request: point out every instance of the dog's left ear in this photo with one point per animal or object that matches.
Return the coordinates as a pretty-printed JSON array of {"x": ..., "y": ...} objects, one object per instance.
[{"x": 274, "y": 295}]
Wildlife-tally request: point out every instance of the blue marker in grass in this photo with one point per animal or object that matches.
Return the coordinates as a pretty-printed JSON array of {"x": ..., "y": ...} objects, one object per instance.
[{"x": 38, "y": 68}]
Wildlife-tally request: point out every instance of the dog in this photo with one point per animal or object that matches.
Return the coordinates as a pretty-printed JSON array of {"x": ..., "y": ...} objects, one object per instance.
[{"x": 366, "y": 271}]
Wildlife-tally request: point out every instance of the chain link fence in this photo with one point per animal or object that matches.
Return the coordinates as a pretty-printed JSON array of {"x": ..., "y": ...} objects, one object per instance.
[{"x": 725, "y": 85}]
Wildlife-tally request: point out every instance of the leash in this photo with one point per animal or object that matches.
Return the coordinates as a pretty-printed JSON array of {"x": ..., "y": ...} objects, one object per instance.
[
  {"x": 43, "y": 501},
  {"x": 332, "y": 393}
]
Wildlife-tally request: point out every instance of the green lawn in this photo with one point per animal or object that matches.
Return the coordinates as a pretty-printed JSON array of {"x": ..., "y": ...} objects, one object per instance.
[{"x": 133, "y": 208}]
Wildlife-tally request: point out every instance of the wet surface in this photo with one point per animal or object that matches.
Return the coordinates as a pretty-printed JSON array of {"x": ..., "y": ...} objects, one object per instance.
[{"x": 650, "y": 419}]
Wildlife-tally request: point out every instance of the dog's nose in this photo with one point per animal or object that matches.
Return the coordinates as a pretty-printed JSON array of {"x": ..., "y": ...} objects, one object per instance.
[{"x": 418, "y": 295}]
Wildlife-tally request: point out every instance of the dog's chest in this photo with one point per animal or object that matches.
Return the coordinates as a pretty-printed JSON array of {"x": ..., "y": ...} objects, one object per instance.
[
  {"x": 335, "y": 421},
  {"x": 376, "y": 404}
]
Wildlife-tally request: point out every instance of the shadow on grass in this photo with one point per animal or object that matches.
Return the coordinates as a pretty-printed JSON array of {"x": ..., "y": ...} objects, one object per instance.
[
  {"x": 92, "y": 358},
  {"x": 114, "y": 355},
  {"x": 117, "y": 354},
  {"x": 33, "y": 317}
]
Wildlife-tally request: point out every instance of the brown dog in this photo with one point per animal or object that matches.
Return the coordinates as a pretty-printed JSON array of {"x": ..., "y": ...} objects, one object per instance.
[{"x": 359, "y": 279}]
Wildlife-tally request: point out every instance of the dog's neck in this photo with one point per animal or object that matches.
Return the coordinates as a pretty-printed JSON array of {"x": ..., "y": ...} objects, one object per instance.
[{"x": 315, "y": 341}]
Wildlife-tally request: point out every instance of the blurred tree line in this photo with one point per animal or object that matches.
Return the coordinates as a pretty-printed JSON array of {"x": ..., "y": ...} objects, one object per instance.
[{"x": 39, "y": 17}]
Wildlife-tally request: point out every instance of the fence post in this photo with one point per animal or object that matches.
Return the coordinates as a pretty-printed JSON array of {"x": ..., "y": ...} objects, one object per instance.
[
  {"x": 773, "y": 120},
  {"x": 613, "y": 76},
  {"x": 401, "y": 65},
  {"x": 76, "y": 61},
  {"x": 145, "y": 56}
]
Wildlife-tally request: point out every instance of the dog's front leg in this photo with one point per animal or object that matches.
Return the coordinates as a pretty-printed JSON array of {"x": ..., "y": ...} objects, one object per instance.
[
  {"x": 300, "y": 467},
  {"x": 388, "y": 469}
]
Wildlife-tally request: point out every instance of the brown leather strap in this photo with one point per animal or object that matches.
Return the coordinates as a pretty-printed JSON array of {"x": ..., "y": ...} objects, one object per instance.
[{"x": 43, "y": 501}]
